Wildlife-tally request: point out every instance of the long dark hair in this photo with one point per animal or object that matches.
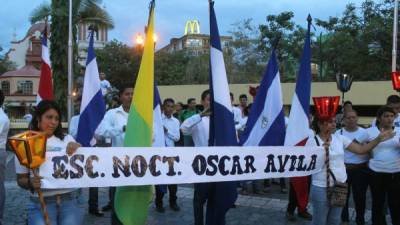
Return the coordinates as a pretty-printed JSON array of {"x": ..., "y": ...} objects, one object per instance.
[
  {"x": 314, "y": 125},
  {"x": 42, "y": 108},
  {"x": 381, "y": 111}
]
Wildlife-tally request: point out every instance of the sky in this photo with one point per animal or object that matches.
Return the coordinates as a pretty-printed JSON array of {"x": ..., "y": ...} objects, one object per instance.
[{"x": 130, "y": 16}]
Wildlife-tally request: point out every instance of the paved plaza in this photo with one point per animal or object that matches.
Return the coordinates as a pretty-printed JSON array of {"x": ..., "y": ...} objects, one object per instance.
[{"x": 268, "y": 209}]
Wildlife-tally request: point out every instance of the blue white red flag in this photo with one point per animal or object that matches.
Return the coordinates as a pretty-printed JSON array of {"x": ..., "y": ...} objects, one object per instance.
[
  {"x": 93, "y": 106},
  {"x": 298, "y": 129},
  {"x": 298, "y": 126},
  {"x": 45, "y": 90}
]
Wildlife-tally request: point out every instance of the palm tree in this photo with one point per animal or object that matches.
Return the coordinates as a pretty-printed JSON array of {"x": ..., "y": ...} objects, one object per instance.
[{"x": 83, "y": 11}]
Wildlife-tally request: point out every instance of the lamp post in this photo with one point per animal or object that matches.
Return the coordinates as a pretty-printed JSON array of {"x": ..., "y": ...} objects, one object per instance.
[
  {"x": 320, "y": 57},
  {"x": 30, "y": 149},
  {"x": 70, "y": 63},
  {"x": 394, "y": 45},
  {"x": 343, "y": 82}
]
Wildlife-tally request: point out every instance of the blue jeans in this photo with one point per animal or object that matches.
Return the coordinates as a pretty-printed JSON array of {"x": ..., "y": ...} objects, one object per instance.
[
  {"x": 68, "y": 212},
  {"x": 323, "y": 213}
]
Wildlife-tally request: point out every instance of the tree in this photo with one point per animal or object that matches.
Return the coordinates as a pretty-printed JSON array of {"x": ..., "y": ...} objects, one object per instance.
[
  {"x": 248, "y": 63},
  {"x": 287, "y": 38},
  {"x": 5, "y": 64},
  {"x": 170, "y": 69},
  {"x": 84, "y": 11},
  {"x": 359, "y": 42},
  {"x": 119, "y": 62}
]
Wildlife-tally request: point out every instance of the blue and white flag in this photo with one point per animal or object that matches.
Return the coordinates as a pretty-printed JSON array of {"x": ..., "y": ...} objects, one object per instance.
[
  {"x": 266, "y": 123},
  {"x": 93, "y": 106},
  {"x": 222, "y": 125}
]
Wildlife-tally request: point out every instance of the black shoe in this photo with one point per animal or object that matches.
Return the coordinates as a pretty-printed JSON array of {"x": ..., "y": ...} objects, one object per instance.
[
  {"x": 175, "y": 207},
  {"x": 160, "y": 209},
  {"x": 305, "y": 215},
  {"x": 106, "y": 208},
  {"x": 290, "y": 216},
  {"x": 96, "y": 212}
]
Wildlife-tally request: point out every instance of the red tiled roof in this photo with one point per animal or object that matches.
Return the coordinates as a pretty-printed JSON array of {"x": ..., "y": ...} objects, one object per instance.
[{"x": 26, "y": 71}]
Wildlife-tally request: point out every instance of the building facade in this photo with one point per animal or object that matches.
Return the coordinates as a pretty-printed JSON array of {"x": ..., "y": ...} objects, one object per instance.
[
  {"x": 100, "y": 40},
  {"x": 20, "y": 90},
  {"x": 29, "y": 48},
  {"x": 193, "y": 42},
  {"x": 20, "y": 86}
]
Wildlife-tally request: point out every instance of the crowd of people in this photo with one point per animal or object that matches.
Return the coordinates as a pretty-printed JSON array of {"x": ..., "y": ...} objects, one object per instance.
[{"x": 365, "y": 158}]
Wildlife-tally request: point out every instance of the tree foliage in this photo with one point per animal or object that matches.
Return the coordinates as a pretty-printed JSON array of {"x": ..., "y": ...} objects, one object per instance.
[
  {"x": 359, "y": 42},
  {"x": 5, "y": 64},
  {"x": 119, "y": 62},
  {"x": 87, "y": 11},
  {"x": 282, "y": 34}
]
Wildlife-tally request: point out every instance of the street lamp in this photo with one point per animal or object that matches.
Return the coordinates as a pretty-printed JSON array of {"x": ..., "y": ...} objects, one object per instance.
[
  {"x": 139, "y": 40},
  {"x": 343, "y": 82},
  {"x": 30, "y": 149},
  {"x": 155, "y": 38},
  {"x": 394, "y": 45}
]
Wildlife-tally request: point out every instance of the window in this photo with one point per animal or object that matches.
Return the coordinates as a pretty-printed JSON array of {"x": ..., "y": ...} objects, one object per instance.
[
  {"x": 25, "y": 87},
  {"x": 5, "y": 87},
  {"x": 193, "y": 43}
]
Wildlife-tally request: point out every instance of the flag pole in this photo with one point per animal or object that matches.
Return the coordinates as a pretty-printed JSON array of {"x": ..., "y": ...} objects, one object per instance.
[
  {"x": 69, "y": 99},
  {"x": 395, "y": 21}
]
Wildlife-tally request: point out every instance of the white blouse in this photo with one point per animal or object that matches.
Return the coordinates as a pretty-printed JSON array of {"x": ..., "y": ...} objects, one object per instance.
[{"x": 336, "y": 159}]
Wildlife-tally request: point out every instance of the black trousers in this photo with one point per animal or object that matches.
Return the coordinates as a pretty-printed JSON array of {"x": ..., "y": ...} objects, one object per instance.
[
  {"x": 385, "y": 186},
  {"x": 93, "y": 198},
  {"x": 358, "y": 180},
  {"x": 202, "y": 193},
  {"x": 172, "y": 189},
  {"x": 292, "y": 204}
]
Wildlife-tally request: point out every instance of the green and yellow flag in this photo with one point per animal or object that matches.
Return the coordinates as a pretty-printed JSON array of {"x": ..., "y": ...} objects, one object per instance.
[{"x": 132, "y": 202}]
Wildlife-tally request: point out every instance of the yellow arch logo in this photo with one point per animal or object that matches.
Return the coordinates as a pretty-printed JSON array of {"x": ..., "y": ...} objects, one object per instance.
[{"x": 192, "y": 26}]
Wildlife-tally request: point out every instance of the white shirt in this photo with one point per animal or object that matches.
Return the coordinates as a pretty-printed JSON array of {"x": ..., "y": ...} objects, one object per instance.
[
  {"x": 173, "y": 134},
  {"x": 385, "y": 156},
  {"x": 242, "y": 124},
  {"x": 359, "y": 136},
  {"x": 73, "y": 126},
  {"x": 198, "y": 127},
  {"x": 104, "y": 85},
  {"x": 237, "y": 114},
  {"x": 4, "y": 127},
  {"x": 396, "y": 122},
  {"x": 54, "y": 144},
  {"x": 336, "y": 159},
  {"x": 111, "y": 127}
]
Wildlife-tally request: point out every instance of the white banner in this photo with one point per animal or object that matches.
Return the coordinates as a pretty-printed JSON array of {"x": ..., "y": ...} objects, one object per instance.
[{"x": 104, "y": 167}]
